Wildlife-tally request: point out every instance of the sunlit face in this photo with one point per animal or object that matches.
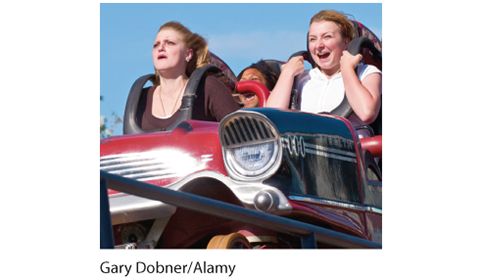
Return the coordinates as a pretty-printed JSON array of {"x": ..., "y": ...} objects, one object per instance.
[
  {"x": 169, "y": 52},
  {"x": 253, "y": 74},
  {"x": 326, "y": 45},
  {"x": 250, "y": 100}
]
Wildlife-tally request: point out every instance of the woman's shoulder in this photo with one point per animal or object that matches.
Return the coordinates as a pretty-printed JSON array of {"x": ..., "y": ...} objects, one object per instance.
[
  {"x": 213, "y": 82},
  {"x": 145, "y": 93},
  {"x": 148, "y": 90},
  {"x": 364, "y": 70},
  {"x": 309, "y": 74},
  {"x": 367, "y": 68},
  {"x": 213, "y": 79}
]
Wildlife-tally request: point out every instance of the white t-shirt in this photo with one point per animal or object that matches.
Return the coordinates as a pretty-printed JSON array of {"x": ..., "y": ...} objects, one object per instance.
[{"x": 320, "y": 94}]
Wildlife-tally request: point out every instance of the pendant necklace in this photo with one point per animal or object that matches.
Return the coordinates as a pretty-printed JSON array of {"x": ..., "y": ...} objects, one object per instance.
[{"x": 174, "y": 106}]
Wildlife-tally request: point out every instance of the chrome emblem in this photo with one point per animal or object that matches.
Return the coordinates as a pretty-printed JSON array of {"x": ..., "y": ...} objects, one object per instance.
[{"x": 296, "y": 145}]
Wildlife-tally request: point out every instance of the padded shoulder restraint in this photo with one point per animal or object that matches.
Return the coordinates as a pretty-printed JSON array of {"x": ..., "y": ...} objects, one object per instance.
[
  {"x": 355, "y": 47},
  {"x": 130, "y": 125},
  {"x": 190, "y": 94},
  {"x": 275, "y": 65}
]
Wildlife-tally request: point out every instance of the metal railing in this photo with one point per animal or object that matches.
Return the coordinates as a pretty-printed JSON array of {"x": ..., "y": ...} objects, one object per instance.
[{"x": 309, "y": 234}]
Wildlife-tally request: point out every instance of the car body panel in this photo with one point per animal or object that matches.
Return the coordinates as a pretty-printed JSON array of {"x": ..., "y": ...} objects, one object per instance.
[{"x": 321, "y": 178}]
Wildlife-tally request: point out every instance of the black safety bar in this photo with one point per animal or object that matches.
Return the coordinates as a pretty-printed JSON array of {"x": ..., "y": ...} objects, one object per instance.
[
  {"x": 106, "y": 234},
  {"x": 308, "y": 233}
]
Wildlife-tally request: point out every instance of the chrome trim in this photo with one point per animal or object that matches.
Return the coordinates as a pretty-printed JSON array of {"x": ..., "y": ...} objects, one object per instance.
[
  {"x": 316, "y": 149},
  {"x": 374, "y": 209},
  {"x": 294, "y": 145},
  {"x": 244, "y": 191},
  {"x": 126, "y": 208},
  {"x": 153, "y": 165},
  {"x": 330, "y": 155},
  {"x": 206, "y": 158},
  {"x": 237, "y": 172},
  {"x": 245, "y": 128},
  {"x": 331, "y": 150},
  {"x": 302, "y": 146},
  {"x": 336, "y": 203}
]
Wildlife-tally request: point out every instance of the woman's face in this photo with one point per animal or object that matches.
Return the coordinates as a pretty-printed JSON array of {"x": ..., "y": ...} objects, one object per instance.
[
  {"x": 326, "y": 45},
  {"x": 253, "y": 74},
  {"x": 169, "y": 52},
  {"x": 250, "y": 100}
]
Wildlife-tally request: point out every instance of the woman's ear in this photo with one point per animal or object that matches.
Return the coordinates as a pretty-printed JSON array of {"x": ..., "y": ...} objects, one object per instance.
[
  {"x": 347, "y": 42},
  {"x": 189, "y": 55}
]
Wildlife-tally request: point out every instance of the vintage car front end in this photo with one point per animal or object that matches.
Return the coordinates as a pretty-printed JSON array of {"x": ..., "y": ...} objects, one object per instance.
[
  {"x": 302, "y": 166},
  {"x": 324, "y": 172}
]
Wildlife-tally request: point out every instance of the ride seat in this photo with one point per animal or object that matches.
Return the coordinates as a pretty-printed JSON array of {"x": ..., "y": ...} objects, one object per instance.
[
  {"x": 227, "y": 77},
  {"x": 219, "y": 67},
  {"x": 275, "y": 65},
  {"x": 371, "y": 58}
]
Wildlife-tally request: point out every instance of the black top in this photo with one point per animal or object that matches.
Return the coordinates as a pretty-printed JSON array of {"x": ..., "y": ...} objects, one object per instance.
[{"x": 213, "y": 102}]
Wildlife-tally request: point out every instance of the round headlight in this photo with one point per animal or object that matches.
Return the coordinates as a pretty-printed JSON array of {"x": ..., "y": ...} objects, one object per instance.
[
  {"x": 251, "y": 145},
  {"x": 252, "y": 160}
]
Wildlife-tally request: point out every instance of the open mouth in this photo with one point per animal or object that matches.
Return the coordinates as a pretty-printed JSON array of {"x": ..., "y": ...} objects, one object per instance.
[
  {"x": 248, "y": 96},
  {"x": 323, "y": 55},
  {"x": 161, "y": 56}
]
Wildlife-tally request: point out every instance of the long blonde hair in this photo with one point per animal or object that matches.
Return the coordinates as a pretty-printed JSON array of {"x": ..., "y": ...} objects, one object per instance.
[{"x": 192, "y": 41}]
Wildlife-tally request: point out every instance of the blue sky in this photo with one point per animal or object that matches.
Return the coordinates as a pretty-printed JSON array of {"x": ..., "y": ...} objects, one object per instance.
[{"x": 240, "y": 34}]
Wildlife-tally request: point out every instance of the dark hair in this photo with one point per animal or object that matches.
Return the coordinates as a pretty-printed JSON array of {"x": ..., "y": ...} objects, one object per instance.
[{"x": 268, "y": 73}]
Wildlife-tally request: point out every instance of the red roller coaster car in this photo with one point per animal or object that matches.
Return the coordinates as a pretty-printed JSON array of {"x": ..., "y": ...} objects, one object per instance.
[{"x": 312, "y": 169}]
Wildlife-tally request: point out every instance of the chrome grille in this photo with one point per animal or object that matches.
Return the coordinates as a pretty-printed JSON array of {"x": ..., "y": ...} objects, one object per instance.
[
  {"x": 246, "y": 128},
  {"x": 146, "y": 166}
]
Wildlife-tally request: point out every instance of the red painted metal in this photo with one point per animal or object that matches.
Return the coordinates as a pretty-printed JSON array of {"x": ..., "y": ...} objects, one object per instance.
[
  {"x": 371, "y": 222},
  {"x": 351, "y": 222},
  {"x": 373, "y": 144},
  {"x": 202, "y": 140},
  {"x": 256, "y": 87}
]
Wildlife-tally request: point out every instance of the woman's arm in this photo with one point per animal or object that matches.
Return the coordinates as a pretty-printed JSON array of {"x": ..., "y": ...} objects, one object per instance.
[
  {"x": 363, "y": 96},
  {"x": 280, "y": 95}
]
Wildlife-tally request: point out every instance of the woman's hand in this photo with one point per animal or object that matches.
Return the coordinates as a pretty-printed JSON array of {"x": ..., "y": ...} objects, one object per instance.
[
  {"x": 295, "y": 66},
  {"x": 363, "y": 96},
  {"x": 280, "y": 95},
  {"x": 349, "y": 61}
]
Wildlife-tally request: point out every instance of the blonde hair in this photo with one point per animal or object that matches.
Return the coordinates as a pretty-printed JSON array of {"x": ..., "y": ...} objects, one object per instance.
[
  {"x": 346, "y": 26},
  {"x": 192, "y": 41}
]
